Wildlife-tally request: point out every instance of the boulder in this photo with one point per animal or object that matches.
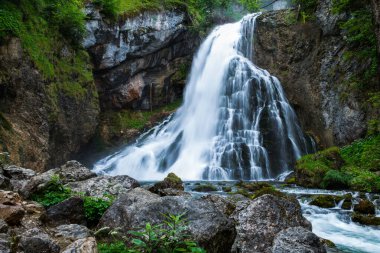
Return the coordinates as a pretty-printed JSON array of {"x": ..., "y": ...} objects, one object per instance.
[
  {"x": 297, "y": 240},
  {"x": 326, "y": 201},
  {"x": 11, "y": 210},
  {"x": 369, "y": 220},
  {"x": 207, "y": 225},
  {"x": 18, "y": 173},
  {"x": 86, "y": 245},
  {"x": 69, "y": 172},
  {"x": 259, "y": 221},
  {"x": 37, "y": 241},
  {"x": 73, "y": 171},
  {"x": 70, "y": 211},
  {"x": 67, "y": 234},
  {"x": 11, "y": 214},
  {"x": 4, "y": 182},
  {"x": 365, "y": 207},
  {"x": 170, "y": 186},
  {"x": 101, "y": 185}
]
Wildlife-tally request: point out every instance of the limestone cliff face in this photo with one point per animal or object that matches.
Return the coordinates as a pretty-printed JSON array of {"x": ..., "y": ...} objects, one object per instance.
[
  {"x": 139, "y": 62},
  {"x": 36, "y": 131},
  {"x": 136, "y": 60},
  {"x": 308, "y": 60}
]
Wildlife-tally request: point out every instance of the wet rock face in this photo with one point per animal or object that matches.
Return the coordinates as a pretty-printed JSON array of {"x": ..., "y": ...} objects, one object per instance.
[
  {"x": 308, "y": 60},
  {"x": 136, "y": 59},
  {"x": 32, "y": 136},
  {"x": 297, "y": 240},
  {"x": 259, "y": 222}
]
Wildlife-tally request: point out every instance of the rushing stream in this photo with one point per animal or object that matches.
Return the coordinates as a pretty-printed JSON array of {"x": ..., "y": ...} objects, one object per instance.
[{"x": 235, "y": 123}]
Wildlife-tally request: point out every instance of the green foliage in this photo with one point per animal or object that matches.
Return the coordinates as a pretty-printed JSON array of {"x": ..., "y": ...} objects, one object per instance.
[
  {"x": 95, "y": 207},
  {"x": 110, "y": 8},
  {"x": 116, "y": 247},
  {"x": 251, "y": 5},
  {"x": 336, "y": 180},
  {"x": 351, "y": 167},
  {"x": 308, "y": 8},
  {"x": 53, "y": 193},
  {"x": 171, "y": 236}
]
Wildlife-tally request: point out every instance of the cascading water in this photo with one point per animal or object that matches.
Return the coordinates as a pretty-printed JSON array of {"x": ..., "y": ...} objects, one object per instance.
[{"x": 235, "y": 123}]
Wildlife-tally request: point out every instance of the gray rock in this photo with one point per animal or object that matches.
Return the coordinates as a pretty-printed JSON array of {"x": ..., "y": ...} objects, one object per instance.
[
  {"x": 207, "y": 225},
  {"x": 18, "y": 173},
  {"x": 37, "y": 241},
  {"x": 3, "y": 226},
  {"x": 72, "y": 231},
  {"x": 69, "y": 172},
  {"x": 5, "y": 244},
  {"x": 74, "y": 171},
  {"x": 101, "y": 185},
  {"x": 67, "y": 234},
  {"x": 18, "y": 176},
  {"x": 70, "y": 211},
  {"x": 4, "y": 182},
  {"x": 259, "y": 222},
  {"x": 297, "y": 240},
  {"x": 327, "y": 20},
  {"x": 86, "y": 245}
]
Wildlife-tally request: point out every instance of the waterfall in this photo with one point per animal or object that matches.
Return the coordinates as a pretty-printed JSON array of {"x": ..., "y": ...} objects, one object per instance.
[{"x": 235, "y": 123}]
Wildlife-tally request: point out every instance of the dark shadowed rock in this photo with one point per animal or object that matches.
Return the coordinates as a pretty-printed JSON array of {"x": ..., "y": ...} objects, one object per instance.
[
  {"x": 3, "y": 226},
  {"x": 297, "y": 240},
  {"x": 70, "y": 211},
  {"x": 37, "y": 241},
  {"x": 207, "y": 225},
  {"x": 98, "y": 186},
  {"x": 365, "y": 207},
  {"x": 258, "y": 222}
]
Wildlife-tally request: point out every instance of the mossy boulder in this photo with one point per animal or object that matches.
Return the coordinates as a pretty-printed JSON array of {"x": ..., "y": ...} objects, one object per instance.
[
  {"x": 310, "y": 170},
  {"x": 172, "y": 182},
  {"x": 226, "y": 188},
  {"x": 325, "y": 201},
  {"x": 365, "y": 207},
  {"x": 369, "y": 220},
  {"x": 270, "y": 190},
  {"x": 252, "y": 186},
  {"x": 205, "y": 188}
]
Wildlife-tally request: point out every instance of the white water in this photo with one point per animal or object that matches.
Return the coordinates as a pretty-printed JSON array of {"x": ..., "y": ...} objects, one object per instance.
[
  {"x": 235, "y": 123},
  {"x": 335, "y": 224}
]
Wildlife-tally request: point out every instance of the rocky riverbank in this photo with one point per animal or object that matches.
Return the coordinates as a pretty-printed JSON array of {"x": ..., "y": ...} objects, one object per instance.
[{"x": 268, "y": 223}]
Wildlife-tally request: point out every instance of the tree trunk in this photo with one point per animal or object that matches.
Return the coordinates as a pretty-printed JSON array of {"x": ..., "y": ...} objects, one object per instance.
[{"x": 376, "y": 16}]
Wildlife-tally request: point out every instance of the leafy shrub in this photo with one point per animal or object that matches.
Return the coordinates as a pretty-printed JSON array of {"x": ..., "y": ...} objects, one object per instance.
[
  {"x": 116, "y": 247},
  {"x": 95, "y": 208},
  {"x": 109, "y": 8},
  {"x": 53, "y": 193},
  {"x": 171, "y": 236},
  {"x": 335, "y": 180}
]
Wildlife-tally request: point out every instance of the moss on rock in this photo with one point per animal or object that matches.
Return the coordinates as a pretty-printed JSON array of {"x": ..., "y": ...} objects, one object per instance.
[
  {"x": 205, "y": 188},
  {"x": 365, "y": 207},
  {"x": 368, "y": 220},
  {"x": 326, "y": 201}
]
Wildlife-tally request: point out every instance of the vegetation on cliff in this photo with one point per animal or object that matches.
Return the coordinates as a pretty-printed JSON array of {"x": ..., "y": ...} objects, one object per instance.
[{"x": 356, "y": 167}]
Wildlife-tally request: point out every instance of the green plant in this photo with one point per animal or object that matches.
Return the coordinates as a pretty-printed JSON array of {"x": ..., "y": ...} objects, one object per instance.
[
  {"x": 336, "y": 180},
  {"x": 116, "y": 247},
  {"x": 171, "y": 236},
  {"x": 94, "y": 208},
  {"x": 53, "y": 193}
]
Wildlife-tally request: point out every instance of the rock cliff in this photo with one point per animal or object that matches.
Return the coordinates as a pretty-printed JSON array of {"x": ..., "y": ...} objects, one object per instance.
[{"x": 308, "y": 58}]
